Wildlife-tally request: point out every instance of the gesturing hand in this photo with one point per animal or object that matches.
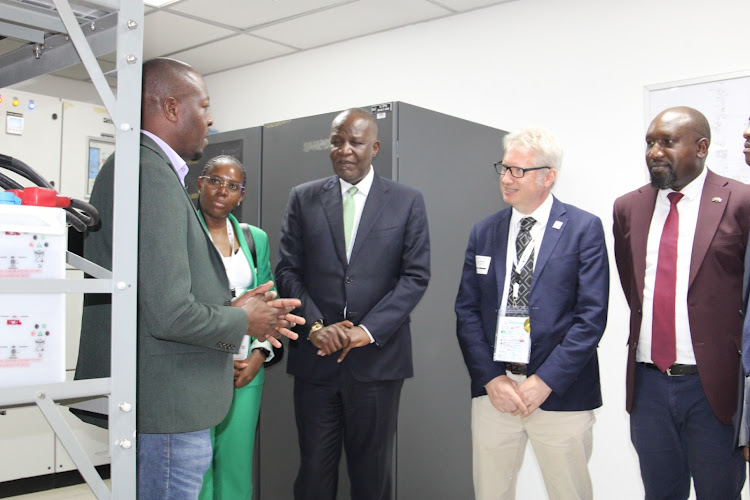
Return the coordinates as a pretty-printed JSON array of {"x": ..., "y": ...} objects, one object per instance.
[{"x": 268, "y": 317}]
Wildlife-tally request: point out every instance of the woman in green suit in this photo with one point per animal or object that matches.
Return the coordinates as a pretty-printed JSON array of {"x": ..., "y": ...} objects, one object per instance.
[{"x": 221, "y": 188}]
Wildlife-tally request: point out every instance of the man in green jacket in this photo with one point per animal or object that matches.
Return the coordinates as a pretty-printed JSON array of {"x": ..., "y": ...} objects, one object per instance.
[{"x": 187, "y": 333}]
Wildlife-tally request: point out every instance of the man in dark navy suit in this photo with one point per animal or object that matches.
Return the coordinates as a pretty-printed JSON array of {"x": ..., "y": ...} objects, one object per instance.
[
  {"x": 531, "y": 308},
  {"x": 355, "y": 249}
]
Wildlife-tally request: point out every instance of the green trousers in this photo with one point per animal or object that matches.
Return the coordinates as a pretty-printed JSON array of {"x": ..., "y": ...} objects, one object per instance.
[{"x": 230, "y": 476}]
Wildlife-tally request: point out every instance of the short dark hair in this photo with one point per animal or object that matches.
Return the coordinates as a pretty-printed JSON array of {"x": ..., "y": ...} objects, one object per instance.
[
  {"x": 163, "y": 78},
  {"x": 360, "y": 112},
  {"x": 217, "y": 160}
]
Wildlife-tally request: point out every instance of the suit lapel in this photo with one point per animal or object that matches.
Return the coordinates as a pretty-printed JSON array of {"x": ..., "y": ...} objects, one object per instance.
[
  {"x": 330, "y": 199},
  {"x": 377, "y": 199},
  {"x": 500, "y": 246},
  {"x": 218, "y": 262},
  {"x": 551, "y": 237},
  {"x": 146, "y": 141},
  {"x": 709, "y": 217},
  {"x": 640, "y": 222}
]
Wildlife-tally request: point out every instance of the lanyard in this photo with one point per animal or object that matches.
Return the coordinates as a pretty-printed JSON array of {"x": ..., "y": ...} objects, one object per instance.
[
  {"x": 518, "y": 264},
  {"x": 230, "y": 235}
]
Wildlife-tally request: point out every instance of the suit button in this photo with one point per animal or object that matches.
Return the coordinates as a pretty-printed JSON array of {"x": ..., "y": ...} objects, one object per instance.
[
  {"x": 347, "y": 280},
  {"x": 227, "y": 302}
]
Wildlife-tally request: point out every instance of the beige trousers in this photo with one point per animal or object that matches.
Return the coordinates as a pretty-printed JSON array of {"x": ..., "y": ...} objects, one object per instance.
[{"x": 562, "y": 442}]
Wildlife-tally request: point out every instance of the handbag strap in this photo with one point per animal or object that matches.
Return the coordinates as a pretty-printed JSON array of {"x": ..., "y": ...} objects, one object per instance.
[{"x": 250, "y": 241}]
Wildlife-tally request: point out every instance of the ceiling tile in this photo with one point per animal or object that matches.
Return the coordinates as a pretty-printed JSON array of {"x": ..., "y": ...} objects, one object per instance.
[
  {"x": 230, "y": 53},
  {"x": 349, "y": 21},
  {"x": 464, "y": 5},
  {"x": 206, "y": 33},
  {"x": 111, "y": 57},
  {"x": 78, "y": 72},
  {"x": 166, "y": 33},
  {"x": 249, "y": 13},
  {"x": 10, "y": 44}
]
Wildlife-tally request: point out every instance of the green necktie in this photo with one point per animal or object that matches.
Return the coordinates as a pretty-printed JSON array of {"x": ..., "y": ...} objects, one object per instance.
[{"x": 349, "y": 215}]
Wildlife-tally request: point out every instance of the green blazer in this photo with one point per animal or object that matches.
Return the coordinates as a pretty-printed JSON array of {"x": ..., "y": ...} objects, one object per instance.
[
  {"x": 260, "y": 270},
  {"x": 186, "y": 333}
]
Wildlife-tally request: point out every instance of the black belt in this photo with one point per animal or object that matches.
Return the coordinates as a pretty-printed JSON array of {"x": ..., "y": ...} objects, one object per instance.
[
  {"x": 675, "y": 370},
  {"x": 515, "y": 368}
]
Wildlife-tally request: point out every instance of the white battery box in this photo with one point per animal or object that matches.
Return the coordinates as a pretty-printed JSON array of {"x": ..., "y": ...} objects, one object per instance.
[{"x": 33, "y": 242}]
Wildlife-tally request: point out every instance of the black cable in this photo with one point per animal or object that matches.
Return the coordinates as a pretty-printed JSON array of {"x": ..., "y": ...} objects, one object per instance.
[
  {"x": 86, "y": 212},
  {"x": 17, "y": 166},
  {"x": 75, "y": 221},
  {"x": 8, "y": 183},
  {"x": 80, "y": 215}
]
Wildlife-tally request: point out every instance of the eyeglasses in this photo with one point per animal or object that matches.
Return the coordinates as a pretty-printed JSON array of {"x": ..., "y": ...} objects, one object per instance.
[
  {"x": 218, "y": 182},
  {"x": 516, "y": 172}
]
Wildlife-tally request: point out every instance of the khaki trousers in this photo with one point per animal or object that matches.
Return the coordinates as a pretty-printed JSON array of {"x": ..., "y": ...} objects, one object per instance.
[{"x": 562, "y": 442}]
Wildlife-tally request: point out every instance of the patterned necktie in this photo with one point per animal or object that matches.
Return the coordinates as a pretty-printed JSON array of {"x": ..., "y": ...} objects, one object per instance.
[
  {"x": 522, "y": 279},
  {"x": 663, "y": 348},
  {"x": 349, "y": 215}
]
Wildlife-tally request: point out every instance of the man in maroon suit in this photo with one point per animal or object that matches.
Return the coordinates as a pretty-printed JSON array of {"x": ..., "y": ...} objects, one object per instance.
[{"x": 679, "y": 246}]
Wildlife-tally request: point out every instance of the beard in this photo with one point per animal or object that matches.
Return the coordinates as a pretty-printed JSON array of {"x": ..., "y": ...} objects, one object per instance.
[{"x": 663, "y": 181}]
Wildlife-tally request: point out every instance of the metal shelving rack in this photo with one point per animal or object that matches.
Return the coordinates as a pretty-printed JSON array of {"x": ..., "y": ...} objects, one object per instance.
[{"x": 55, "y": 39}]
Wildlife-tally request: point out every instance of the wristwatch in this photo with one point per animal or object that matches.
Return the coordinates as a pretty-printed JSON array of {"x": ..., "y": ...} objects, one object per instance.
[
  {"x": 263, "y": 351},
  {"x": 318, "y": 325}
]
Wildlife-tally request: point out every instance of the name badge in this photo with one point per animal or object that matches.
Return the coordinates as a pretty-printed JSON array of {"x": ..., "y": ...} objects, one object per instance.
[
  {"x": 513, "y": 339},
  {"x": 482, "y": 263}
]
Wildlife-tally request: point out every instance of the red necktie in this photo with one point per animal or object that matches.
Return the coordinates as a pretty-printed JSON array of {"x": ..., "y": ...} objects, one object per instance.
[{"x": 663, "y": 349}]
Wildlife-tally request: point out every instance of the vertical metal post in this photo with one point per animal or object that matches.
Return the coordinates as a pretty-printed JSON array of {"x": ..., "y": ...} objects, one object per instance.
[{"x": 122, "y": 401}]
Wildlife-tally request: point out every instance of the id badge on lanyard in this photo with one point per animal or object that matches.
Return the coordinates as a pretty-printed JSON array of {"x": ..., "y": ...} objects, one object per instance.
[{"x": 513, "y": 336}]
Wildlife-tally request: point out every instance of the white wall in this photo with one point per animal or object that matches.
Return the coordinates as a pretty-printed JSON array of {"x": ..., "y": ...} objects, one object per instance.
[{"x": 578, "y": 67}]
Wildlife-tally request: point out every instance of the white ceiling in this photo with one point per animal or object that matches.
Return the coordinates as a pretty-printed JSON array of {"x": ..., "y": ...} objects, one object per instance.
[{"x": 217, "y": 35}]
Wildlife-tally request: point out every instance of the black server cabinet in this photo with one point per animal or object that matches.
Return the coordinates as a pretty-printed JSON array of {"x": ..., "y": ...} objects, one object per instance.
[{"x": 450, "y": 161}]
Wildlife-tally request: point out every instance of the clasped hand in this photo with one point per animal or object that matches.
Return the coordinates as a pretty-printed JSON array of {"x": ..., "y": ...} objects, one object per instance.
[
  {"x": 246, "y": 371},
  {"x": 268, "y": 317},
  {"x": 508, "y": 396},
  {"x": 339, "y": 336}
]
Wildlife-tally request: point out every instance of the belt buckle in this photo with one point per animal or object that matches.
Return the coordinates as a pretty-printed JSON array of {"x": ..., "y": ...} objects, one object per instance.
[
  {"x": 668, "y": 371},
  {"x": 516, "y": 368}
]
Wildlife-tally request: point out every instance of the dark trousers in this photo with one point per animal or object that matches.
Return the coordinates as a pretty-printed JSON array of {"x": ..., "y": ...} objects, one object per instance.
[
  {"x": 677, "y": 435},
  {"x": 362, "y": 415}
]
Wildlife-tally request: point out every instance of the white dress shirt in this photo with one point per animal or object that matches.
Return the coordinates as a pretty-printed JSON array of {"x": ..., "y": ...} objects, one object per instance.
[
  {"x": 541, "y": 216},
  {"x": 687, "y": 207},
  {"x": 178, "y": 164},
  {"x": 360, "y": 197}
]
